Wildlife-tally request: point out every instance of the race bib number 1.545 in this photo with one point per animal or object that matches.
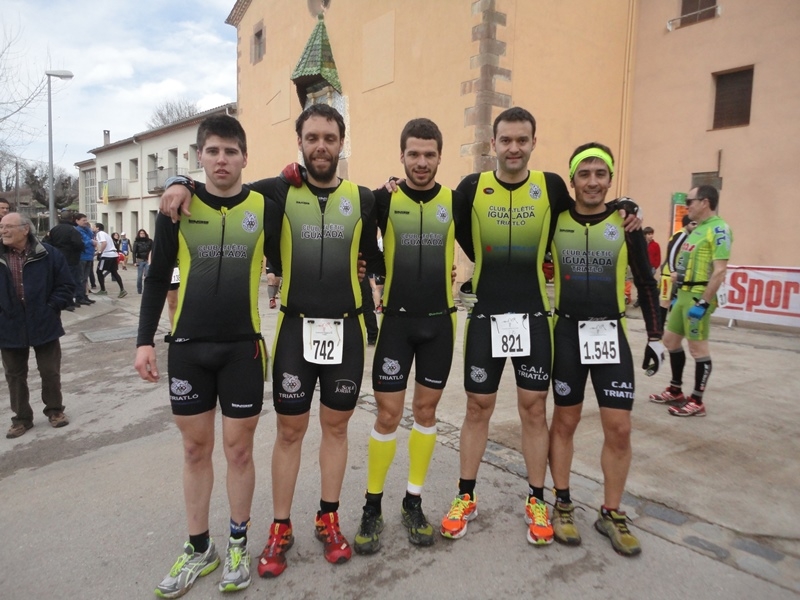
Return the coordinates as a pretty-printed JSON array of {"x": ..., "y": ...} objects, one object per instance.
[
  {"x": 599, "y": 342},
  {"x": 510, "y": 335},
  {"x": 323, "y": 341}
]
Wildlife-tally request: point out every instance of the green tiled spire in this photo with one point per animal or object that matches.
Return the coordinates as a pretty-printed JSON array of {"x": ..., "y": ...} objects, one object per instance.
[{"x": 316, "y": 67}]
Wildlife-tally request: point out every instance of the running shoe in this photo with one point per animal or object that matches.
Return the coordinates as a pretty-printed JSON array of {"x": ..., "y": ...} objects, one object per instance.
[
  {"x": 462, "y": 510},
  {"x": 236, "y": 572},
  {"x": 272, "y": 561},
  {"x": 688, "y": 409},
  {"x": 102, "y": 293},
  {"x": 189, "y": 566},
  {"x": 272, "y": 303},
  {"x": 615, "y": 527},
  {"x": 540, "y": 530},
  {"x": 564, "y": 529},
  {"x": 420, "y": 532},
  {"x": 337, "y": 549},
  {"x": 122, "y": 294},
  {"x": 367, "y": 540},
  {"x": 668, "y": 397}
]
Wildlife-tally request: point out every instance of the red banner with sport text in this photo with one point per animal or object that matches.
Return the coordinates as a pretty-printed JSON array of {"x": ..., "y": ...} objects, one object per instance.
[{"x": 763, "y": 295}]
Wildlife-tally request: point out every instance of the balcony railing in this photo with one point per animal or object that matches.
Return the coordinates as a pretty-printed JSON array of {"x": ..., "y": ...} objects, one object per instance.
[
  {"x": 156, "y": 179},
  {"x": 117, "y": 189}
]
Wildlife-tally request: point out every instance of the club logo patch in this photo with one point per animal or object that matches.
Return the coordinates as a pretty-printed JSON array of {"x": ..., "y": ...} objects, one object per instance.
[
  {"x": 561, "y": 388},
  {"x": 179, "y": 387},
  {"x": 535, "y": 192},
  {"x": 345, "y": 206},
  {"x": 611, "y": 233},
  {"x": 291, "y": 383},
  {"x": 391, "y": 366},
  {"x": 441, "y": 214},
  {"x": 477, "y": 374},
  {"x": 250, "y": 222}
]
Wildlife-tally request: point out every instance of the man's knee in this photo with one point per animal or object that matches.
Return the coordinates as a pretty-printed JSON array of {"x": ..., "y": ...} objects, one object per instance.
[
  {"x": 565, "y": 422},
  {"x": 197, "y": 452},
  {"x": 479, "y": 406}
]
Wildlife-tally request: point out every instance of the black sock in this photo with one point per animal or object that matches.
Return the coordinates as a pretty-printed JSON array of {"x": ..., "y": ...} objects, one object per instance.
[
  {"x": 374, "y": 501},
  {"x": 200, "y": 541},
  {"x": 677, "y": 360},
  {"x": 466, "y": 486},
  {"x": 702, "y": 371},
  {"x": 562, "y": 495},
  {"x": 411, "y": 499},
  {"x": 282, "y": 521},
  {"x": 239, "y": 530},
  {"x": 535, "y": 492},
  {"x": 327, "y": 507}
]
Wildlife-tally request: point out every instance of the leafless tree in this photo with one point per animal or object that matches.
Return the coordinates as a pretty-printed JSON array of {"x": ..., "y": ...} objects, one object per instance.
[
  {"x": 171, "y": 111},
  {"x": 19, "y": 92},
  {"x": 66, "y": 186}
]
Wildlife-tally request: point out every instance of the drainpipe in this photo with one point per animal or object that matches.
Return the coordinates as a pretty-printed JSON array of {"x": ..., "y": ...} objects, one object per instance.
[{"x": 141, "y": 188}]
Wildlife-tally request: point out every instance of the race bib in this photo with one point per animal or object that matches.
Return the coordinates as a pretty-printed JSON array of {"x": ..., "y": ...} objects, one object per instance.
[
  {"x": 722, "y": 295},
  {"x": 323, "y": 341},
  {"x": 599, "y": 342},
  {"x": 510, "y": 335}
]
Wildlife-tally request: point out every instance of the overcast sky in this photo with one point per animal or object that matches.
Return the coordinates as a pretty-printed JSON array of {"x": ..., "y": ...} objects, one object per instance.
[{"x": 127, "y": 56}]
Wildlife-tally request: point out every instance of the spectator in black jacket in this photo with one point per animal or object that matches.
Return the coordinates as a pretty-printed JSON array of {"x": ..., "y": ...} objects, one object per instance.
[
  {"x": 65, "y": 238},
  {"x": 142, "y": 246}
]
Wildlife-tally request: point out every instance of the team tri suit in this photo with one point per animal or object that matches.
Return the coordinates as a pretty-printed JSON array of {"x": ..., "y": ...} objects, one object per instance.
[
  {"x": 418, "y": 313},
  {"x": 504, "y": 230},
  {"x": 591, "y": 254},
  {"x": 216, "y": 348},
  {"x": 711, "y": 240},
  {"x": 314, "y": 240}
]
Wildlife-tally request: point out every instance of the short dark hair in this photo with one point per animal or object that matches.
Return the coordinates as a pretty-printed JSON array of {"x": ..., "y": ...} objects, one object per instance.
[
  {"x": 77, "y": 216},
  {"x": 100, "y": 226},
  {"x": 319, "y": 110},
  {"x": 514, "y": 114},
  {"x": 423, "y": 129},
  {"x": 223, "y": 126},
  {"x": 685, "y": 220},
  {"x": 710, "y": 193},
  {"x": 647, "y": 230},
  {"x": 5, "y": 201}
]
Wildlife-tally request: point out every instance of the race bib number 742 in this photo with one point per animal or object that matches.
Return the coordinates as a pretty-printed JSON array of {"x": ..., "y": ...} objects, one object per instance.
[{"x": 323, "y": 341}]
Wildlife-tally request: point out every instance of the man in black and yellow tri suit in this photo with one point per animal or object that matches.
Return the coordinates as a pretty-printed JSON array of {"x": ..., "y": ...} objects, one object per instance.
[
  {"x": 591, "y": 252},
  {"x": 317, "y": 224},
  {"x": 418, "y": 326},
  {"x": 504, "y": 228},
  {"x": 216, "y": 350}
]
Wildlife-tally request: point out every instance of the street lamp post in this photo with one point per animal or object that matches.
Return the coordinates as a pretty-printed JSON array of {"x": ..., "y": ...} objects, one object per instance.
[{"x": 60, "y": 75}]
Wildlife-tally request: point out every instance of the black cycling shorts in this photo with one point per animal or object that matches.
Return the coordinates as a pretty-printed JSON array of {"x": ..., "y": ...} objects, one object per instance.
[
  {"x": 401, "y": 339},
  {"x": 201, "y": 372},
  {"x": 294, "y": 378},
  {"x": 482, "y": 372},
  {"x": 613, "y": 383}
]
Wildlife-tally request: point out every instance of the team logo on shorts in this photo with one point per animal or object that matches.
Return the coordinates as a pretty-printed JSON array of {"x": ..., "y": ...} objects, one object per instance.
[
  {"x": 345, "y": 206},
  {"x": 180, "y": 387},
  {"x": 345, "y": 386},
  {"x": 442, "y": 214},
  {"x": 391, "y": 366},
  {"x": 561, "y": 387},
  {"x": 477, "y": 374},
  {"x": 250, "y": 222},
  {"x": 291, "y": 383},
  {"x": 535, "y": 192},
  {"x": 611, "y": 233}
]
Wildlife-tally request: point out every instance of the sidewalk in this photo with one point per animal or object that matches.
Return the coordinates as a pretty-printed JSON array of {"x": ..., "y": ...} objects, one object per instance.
[{"x": 100, "y": 501}]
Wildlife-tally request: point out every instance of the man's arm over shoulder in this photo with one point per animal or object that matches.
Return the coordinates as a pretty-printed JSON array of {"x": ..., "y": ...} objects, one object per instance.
[
  {"x": 159, "y": 276},
  {"x": 368, "y": 244},
  {"x": 646, "y": 285},
  {"x": 463, "y": 200}
]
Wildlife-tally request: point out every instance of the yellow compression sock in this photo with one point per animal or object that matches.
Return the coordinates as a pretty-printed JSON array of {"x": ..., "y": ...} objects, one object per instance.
[
  {"x": 421, "y": 443},
  {"x": 380, "y": 456}
]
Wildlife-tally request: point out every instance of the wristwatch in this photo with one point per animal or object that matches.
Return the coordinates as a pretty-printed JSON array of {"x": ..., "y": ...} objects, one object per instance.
[{"x": 180, "y": 180}]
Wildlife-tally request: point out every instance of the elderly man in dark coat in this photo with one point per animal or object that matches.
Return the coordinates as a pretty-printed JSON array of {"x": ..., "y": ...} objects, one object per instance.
[{"x": 35, "y": 286}]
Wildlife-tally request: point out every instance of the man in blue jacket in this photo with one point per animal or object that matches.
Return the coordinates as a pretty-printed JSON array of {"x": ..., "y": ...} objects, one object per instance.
[{"x": 35, "y": 286}]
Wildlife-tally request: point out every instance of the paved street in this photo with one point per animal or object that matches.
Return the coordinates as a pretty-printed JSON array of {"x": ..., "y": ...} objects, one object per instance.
[{"x": 95, "y": 510}]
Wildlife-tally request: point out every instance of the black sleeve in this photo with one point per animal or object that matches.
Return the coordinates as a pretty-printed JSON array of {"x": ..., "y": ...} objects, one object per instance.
[
  {"x": 560, "y": 201},
  {"x": 645, "y": 283},
  {"x": 368, "y": 245},
  {"x": 462, "y": 213},
  {"x": 382, "y": 200},
  {"x": 159, "y": 277}
]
